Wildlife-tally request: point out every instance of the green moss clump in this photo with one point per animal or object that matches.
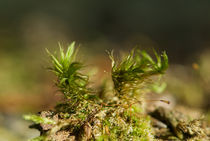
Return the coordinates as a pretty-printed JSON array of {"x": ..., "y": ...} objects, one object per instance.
[{"x": 85, "y": 116}]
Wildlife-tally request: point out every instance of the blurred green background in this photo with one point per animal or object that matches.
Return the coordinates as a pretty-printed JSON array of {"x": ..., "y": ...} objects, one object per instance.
[{"x": 182, "y": 28}]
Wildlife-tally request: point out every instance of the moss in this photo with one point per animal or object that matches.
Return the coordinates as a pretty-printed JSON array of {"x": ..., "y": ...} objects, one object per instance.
[
  {"x": 85, "y": 116},
  {"x": 38, "y": 119},
  {"x": 127, "y": 128}
]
